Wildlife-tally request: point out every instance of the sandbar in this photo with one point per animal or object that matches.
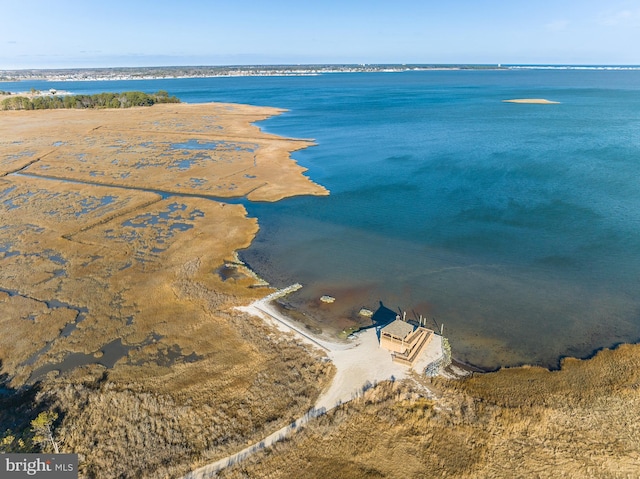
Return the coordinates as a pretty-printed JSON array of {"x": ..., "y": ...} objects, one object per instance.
[{"x": 532, "y": 101}]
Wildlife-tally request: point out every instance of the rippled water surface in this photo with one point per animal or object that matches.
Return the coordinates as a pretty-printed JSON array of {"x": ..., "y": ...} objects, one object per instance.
[{"x": 515, "y": 225}]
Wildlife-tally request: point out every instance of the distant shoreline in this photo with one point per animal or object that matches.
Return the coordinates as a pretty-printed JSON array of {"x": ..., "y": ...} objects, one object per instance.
[{"x": 184, "y": 72}]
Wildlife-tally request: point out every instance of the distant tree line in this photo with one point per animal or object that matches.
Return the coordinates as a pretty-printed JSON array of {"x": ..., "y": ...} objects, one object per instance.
[{"x": 100, "y": 100}]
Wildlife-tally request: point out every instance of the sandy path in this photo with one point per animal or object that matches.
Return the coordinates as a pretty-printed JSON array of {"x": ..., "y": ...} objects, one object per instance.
[{"x": 359, "y": 364}]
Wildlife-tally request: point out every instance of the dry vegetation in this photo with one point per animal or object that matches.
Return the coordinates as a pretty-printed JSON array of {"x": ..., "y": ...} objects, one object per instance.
[
  {"x": 579, "y": 422},
  {"x": 149, "y": 421},
  {"x": 112, "y": 308},
  {"x": 115, "y": 289},
  {"x": 202, "y": 149}
]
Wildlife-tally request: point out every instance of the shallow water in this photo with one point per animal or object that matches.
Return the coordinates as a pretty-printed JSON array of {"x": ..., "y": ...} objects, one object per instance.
[
  {"x": 112, "y": 352},
  {"x": 517, "y": 226}
]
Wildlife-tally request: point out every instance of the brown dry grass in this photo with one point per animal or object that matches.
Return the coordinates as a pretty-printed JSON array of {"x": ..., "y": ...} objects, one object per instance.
[
  {"x": 580, "y": 422},
  {"x": 195, "y": 379},
  {"x": 148, "y": 421},
  {"x": 223, "y": 153},
  {"x": 38, "y": 325},
  {"x": 199, "y": 380}
]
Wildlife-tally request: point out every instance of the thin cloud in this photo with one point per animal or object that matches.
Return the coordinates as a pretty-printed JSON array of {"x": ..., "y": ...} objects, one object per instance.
[
  {"x": 557, "y": 25},
  {"x": 621, "y": 18}
]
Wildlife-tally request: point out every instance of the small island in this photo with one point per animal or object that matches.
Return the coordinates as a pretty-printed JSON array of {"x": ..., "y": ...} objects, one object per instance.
[{"x": 532, "y": 101}]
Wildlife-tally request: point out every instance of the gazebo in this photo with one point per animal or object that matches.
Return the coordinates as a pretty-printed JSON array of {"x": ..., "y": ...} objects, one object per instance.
[
  {"x": 405, "y": 342},
  {"x": 393, "y": 337}
]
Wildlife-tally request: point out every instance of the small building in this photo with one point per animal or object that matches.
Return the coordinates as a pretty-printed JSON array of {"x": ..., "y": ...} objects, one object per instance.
[
  {"x": 404, "y": 341},
  {"x": 393, "y": 336}
]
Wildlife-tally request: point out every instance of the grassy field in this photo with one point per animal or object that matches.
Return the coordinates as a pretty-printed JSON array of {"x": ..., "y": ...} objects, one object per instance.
[
  {"x": 579, "y": 422},
  {"x": 112, "y": 307}
]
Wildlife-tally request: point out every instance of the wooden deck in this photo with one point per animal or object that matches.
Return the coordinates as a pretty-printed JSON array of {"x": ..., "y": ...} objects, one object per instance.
[{"x": 422, "y": 337}]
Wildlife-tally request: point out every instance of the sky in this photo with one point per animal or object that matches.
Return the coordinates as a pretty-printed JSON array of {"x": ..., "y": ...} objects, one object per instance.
[{"x": 113, "y": 33}]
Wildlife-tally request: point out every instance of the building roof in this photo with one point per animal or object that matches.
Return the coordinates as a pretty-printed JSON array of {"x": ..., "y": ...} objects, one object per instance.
[{"x": 398, "y": 328}]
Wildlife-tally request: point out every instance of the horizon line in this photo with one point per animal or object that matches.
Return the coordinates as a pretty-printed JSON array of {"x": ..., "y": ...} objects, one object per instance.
[{"x": 325, "y": 65}]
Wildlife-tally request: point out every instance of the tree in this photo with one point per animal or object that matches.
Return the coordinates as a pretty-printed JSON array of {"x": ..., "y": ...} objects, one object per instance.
[
  {"x": 69, "y": 101},
  {"x": 11, "y": 443},
  {"x": 42, "y": 428},
  {"x": 16, "y": 103},
  {"x": 99, "y": 100}
]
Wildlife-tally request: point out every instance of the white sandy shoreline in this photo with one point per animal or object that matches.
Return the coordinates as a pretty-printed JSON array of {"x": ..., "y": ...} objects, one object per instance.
[{"x": 359, "y": 362}]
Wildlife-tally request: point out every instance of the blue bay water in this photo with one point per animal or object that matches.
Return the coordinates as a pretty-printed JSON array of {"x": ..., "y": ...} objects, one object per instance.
[{"x": 515, "y": 225}]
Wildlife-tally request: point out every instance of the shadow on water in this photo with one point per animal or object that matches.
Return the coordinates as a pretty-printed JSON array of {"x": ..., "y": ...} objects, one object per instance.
[
  {"x": 380, "y": 318},
  {"x": 383, "y": 316}
]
